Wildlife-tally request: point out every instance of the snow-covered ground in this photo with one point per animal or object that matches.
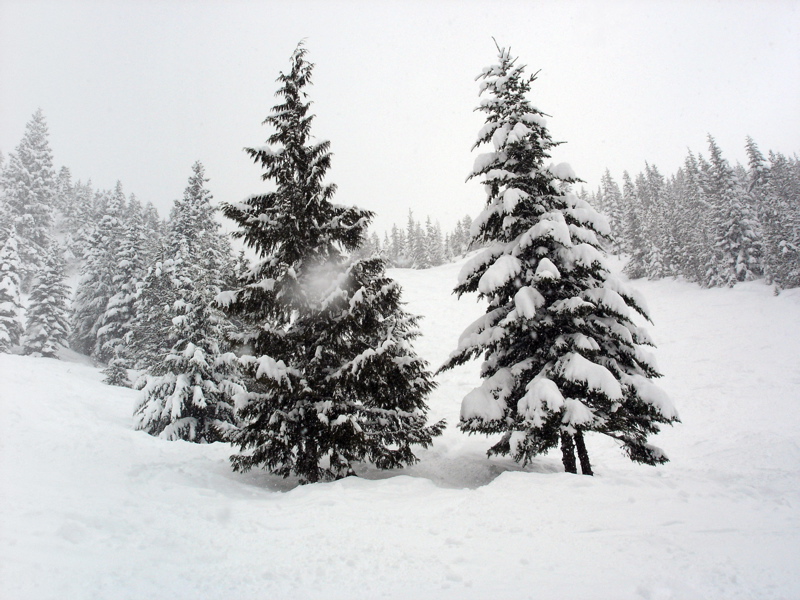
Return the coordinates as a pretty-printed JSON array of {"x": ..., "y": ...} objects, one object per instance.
[{"x": 90, "y": 508}]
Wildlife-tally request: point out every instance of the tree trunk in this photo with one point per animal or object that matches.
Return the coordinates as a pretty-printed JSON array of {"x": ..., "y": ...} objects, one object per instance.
[
  {"x": 583, "y": 455},
  {"x": 568, "y": 453}
]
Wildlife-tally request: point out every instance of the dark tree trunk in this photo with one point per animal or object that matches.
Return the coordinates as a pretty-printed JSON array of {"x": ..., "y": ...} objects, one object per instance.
[
  {"x": 568, "y": 453},
  {"x": 583, "y": 454}
]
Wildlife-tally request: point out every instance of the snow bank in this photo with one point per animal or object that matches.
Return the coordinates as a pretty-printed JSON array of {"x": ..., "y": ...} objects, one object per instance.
[{"x": 90, "y": 508}]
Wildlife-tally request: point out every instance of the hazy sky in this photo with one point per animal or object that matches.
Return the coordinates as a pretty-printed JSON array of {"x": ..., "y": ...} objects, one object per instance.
[{"x": 137, "y": 91}]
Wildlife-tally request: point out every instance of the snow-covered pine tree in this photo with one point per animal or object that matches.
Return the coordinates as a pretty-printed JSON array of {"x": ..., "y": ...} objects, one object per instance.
[
  {"x": 771, "y": 217},
  {"x": 98, "y": 272},
  {"x": 386, "y": 249},
  {"x": 188, "y": 393},
  {"x": 192, "y": 216},
  {"x": 466, "y": 223},
  {"x": 737, "y": 247},
  {"x": 397, "y": 253},
  {"x": 29, "y": 184},
  {"x": 650, "y": 189},
  {"x": 77, "y": 220},
  {"x": 459, "y": 239},
  {"x": 193, "y": 241},
  {"x": 562, "y": 354},
  {"x": 434, "y": 247},
  {"x": 636, "y": 241},
  {"x": 415, "y": 244},
  {"x": 10, "y": 305},
  {"x": 193, "y": 230},
  {"x": 148, "y": 340},
  {"x": 783, "y": 230},
  {"x": 333, "y": 379},
  {"x": 116, "y": 373},
  {"x": 613, "y": 208},
  {"x": 693, "y": 222},
  {"x": 126, "y": 274},
  {"x": 64, "y": 190},
  {"x": 47, "y": 326}
]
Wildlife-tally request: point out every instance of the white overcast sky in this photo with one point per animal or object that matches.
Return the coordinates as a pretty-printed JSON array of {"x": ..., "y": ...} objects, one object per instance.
[{"x": 137, "y": 91}]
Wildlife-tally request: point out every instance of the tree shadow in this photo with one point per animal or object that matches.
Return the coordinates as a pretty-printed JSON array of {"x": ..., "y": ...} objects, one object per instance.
[{"x": 446, "y": 472}]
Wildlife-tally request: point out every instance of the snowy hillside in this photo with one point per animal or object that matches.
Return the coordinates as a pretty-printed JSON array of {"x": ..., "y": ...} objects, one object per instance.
[{"x": 92, "y": 509}]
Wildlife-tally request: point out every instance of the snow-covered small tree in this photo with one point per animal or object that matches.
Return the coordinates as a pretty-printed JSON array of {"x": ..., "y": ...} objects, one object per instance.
[
  {"x": 332, "y": 377},
  {"x": 116, "y": 373},
  {"x": 47, "y": 317},
  {"x": 188, "y": 394},
  {"x": 563, "y": 355},
  {"x": 10, "y": 305}
]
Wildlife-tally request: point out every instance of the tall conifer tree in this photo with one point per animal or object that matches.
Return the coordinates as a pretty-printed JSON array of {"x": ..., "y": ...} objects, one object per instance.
[
  {"x": 98, "y": 273},
  {"x": 562, "y": 353},
  {"x": 47, "y": 325},
  {"x": 333, "y": 379},
  {"x": 10, "y": 304},
  {"x": 29, "y": 184}
]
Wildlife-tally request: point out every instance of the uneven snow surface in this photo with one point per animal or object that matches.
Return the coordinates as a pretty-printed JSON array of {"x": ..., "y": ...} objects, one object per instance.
[{"x": 90, "y": 509}]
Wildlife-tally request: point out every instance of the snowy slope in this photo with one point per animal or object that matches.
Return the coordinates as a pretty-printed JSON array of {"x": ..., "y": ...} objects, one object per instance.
[{"x": 91, "y": 509}]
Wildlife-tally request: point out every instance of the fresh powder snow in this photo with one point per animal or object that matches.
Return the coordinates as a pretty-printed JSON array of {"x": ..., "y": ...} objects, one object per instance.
[{"x": 90, "y": 508}]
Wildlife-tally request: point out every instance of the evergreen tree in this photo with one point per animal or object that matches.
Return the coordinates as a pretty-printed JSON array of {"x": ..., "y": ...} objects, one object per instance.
[
  {"x": 78, "y": 222},
  {"x": 125, "y": 275},
  {"x": 193, "y": 242},
  {"x": 458, "y": 239},
  {"x": 64, "y": 190},
  {"x": 397, "y": 253},
  {"x": 636, "y": 240},
  {"x": 29, "y": 184},
  {"x": 650, "y": 189},
  {"x": 332, "y": 376},
  {"x": 415, "y": 244},
  {"x": 48, "y": 316},
  {"x": 99, "y": 276},
  {"x": 148, "y": 340},
  {"x": 10, "y": 304},
  {"x": 612, "y": 207},
  {"x": 693, "y": 222},
  {"x": 469, "y": 239},
  {"x": 193, "y": 230},
  {"x": 192, "y": 217},
  {"x": 189, "y": 393},
  {"x": 116, "y": 373},
  {"x": 155, "y": 228},
  {"x": 737, "y": 248},
  {"x": 562, "y": 353},
  {"x": 434, "y": 247},
  {"x": 782, "y": 222}
]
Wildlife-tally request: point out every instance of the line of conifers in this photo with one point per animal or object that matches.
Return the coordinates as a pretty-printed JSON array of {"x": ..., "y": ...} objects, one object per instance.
[
  {"x": 303, "y": 358},
  {"x": 329, "y": 375}
]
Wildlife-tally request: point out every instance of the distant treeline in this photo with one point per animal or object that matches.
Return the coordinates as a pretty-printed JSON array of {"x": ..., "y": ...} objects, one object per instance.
[{"x": 710, "y": 222}]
